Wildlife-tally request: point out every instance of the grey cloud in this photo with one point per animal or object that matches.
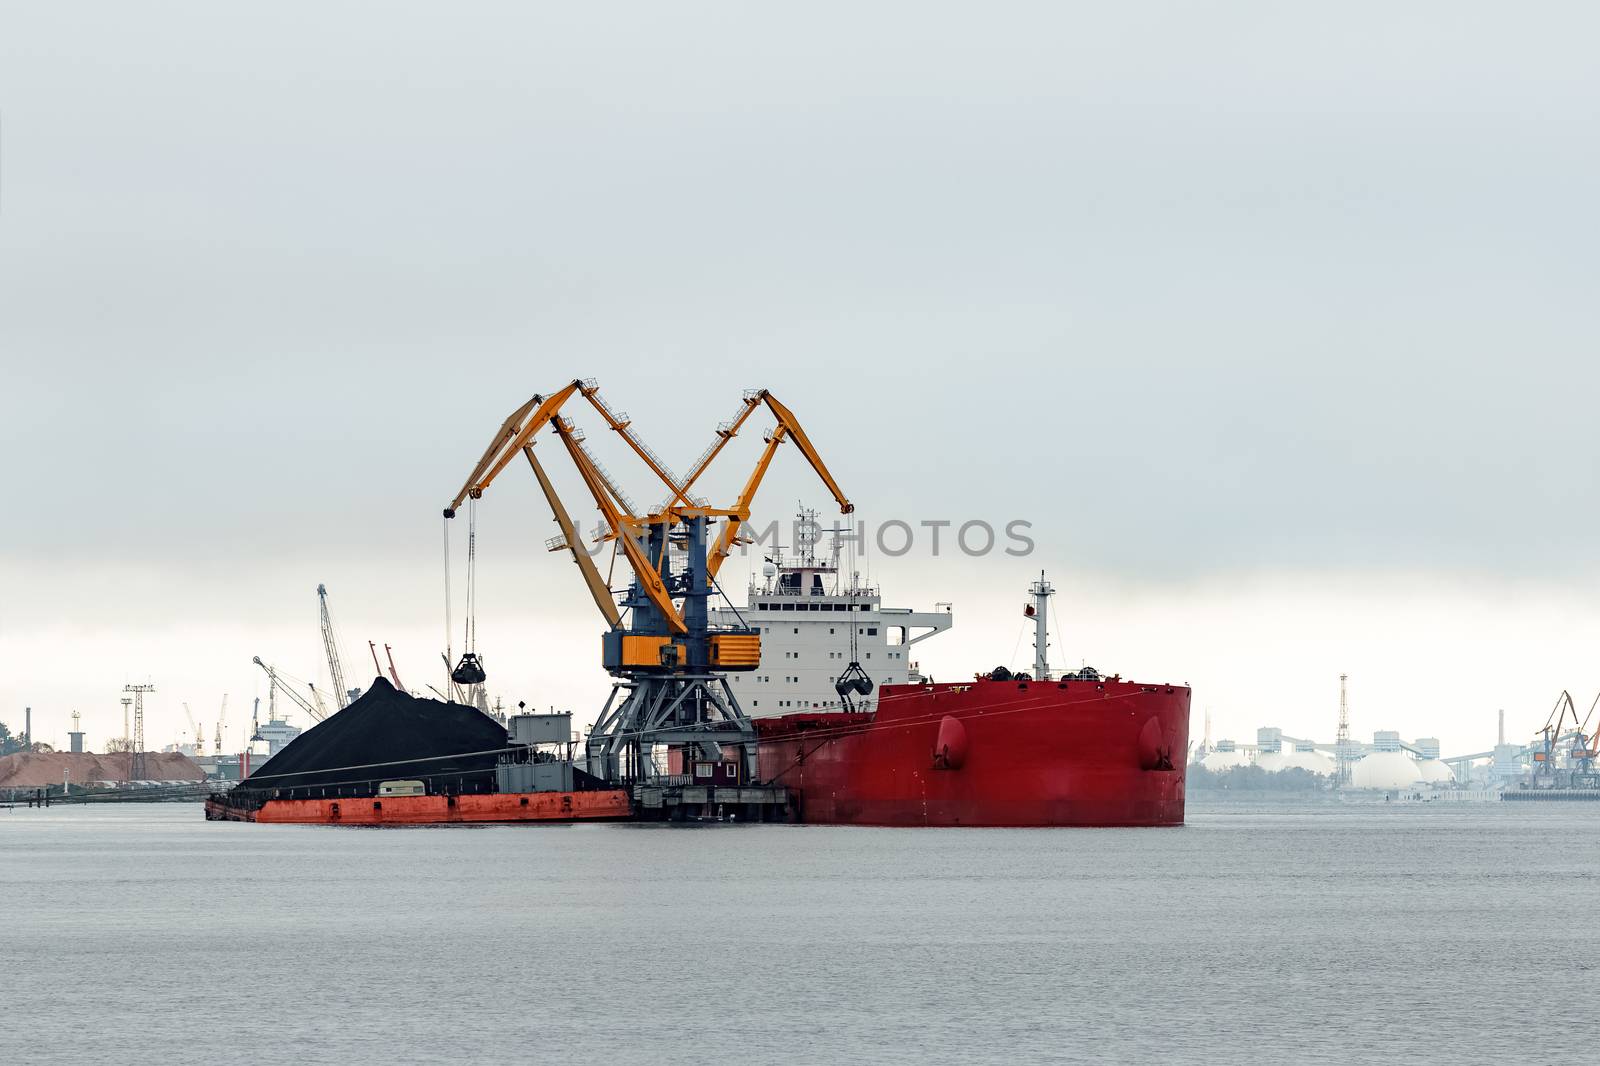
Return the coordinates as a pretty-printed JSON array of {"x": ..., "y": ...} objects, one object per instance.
[{"x": 1193, "y": 288}]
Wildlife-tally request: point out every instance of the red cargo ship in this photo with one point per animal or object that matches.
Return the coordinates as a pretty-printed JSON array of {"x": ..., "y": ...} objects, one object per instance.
[
  {"x": 1025, "y": 749},
  {"x": 1082, "y": 751}
]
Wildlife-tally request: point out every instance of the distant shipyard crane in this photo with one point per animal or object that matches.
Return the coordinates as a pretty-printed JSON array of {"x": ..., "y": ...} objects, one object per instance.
[
  {"x": 275, "y": 682},
  {"x": 1584, "y": 754},
  {"x": 669, "y": 661},
  {"x": 194, "y": 729},
  {"x": 330, "y": 645},
  {"x": 1565, "y": 745}
]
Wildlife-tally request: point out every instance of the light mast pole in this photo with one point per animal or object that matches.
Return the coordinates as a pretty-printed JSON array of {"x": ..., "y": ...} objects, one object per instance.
[
  {"x": 1042, "y": 591},
  {"x": 1343, "y": 756}
]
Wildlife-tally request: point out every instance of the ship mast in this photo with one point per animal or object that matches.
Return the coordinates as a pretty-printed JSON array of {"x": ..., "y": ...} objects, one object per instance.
[{"x": 1042, "y": 590}]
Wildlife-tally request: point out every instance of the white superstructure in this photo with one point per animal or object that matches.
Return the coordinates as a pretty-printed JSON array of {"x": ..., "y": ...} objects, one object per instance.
[{"x": 805, "y": 610}]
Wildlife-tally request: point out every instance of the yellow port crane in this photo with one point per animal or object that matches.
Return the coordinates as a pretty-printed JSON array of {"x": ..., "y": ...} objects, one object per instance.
[{"x": 669, "y": 660}]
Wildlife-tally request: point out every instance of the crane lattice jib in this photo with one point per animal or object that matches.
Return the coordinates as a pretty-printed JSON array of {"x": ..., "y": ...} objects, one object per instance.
[
  {"x": 330, "y": 646},
  {"x": 623, "y": 427},
  {"x": 787, "y": 419},
  {"x": 625, "y": 529},
  {"x": 514, "y": 433},
  {"x": 624, "y": 525},
  {"x": 275, "y": 680},
  {"x": 575, "y": 437},
  {"x": 570, "y": 541}
]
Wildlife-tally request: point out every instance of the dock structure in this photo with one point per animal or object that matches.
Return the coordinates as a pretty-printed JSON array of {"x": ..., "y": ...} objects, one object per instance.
[
  {"x": 664, "y": 800},
  {"x": 1551, "y": 795}
]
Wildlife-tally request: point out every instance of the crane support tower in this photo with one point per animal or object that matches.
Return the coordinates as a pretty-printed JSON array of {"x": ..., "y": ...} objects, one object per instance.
[
  {"x": 136, "y": 766},
  {"x": 671, "y": 702}
]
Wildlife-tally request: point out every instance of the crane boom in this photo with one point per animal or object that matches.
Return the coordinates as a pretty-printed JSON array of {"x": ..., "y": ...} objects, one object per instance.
[
  {"x": 625, "y": 529},
  {"x": 517, "y": 430},
  {"x": 276, "y": 684},
  {"x": 787, "y": 419},
  {"x": 730, "y": 530},
  {"x": 341, "y": 697},
  {"x": 725, "y": 432},
  {"x": 199, "y": 741},
  {"x": 623, "y": 427},
  {"x": 788, "y": 428},
  {"x": 569, "y": 540},
  {"x": 623, "y": 523}
]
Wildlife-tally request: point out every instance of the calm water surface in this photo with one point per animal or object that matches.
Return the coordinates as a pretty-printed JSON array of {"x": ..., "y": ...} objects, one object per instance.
[{"x": 144, "y": 934}]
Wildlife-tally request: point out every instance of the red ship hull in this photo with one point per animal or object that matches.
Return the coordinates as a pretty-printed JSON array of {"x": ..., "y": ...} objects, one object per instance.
[{"x": 989, "y": 753}]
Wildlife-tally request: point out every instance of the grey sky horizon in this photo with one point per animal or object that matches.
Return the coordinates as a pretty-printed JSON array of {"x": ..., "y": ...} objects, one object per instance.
[{"x": 1290, "y": 301}]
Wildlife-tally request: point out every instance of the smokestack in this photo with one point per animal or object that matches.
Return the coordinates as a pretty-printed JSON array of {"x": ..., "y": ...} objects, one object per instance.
[
  {"x": 1502, "y": 725},
  {"x": 27, "y": 729}
]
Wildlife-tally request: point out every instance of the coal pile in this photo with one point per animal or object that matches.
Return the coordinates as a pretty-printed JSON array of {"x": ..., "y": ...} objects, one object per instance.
[{"x": 386, "y": 735}]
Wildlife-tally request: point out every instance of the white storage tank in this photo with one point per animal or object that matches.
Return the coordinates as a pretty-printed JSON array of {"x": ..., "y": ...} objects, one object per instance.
[
  {"x": 1219, "y": 760},
  {"x": 1313, "y": 761},
  {"x": 1386, "y": 770},
  {"x": 1435, "y": 772}
]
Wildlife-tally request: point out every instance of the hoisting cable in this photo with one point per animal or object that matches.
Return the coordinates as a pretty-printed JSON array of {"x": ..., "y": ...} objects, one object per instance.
[
  {"x": 469, "y": 641},
  {"x": 854, "y": 679},
  {"x": 449, "y": 627},
  {"x": 469, "y": 671}
]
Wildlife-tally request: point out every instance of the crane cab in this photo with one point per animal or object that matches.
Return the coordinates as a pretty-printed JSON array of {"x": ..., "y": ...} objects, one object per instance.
[{"x": 622, "y": 652}]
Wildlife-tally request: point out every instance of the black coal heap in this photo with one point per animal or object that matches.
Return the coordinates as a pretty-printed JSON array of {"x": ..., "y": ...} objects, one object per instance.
[{"x": 386, "y": 735}]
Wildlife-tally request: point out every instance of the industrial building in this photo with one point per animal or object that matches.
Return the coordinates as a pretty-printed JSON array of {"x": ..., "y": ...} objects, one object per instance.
[
  {"x": 1387, "y": 763},
  {"x": 1559, "y": 757},
  {"x": 1563, "y": 755}
]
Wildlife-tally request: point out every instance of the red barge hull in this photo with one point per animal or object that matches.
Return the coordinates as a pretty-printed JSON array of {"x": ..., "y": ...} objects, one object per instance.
[
  {"x": 432, "y": 810},
  {"x": 1102, "y": 752}
]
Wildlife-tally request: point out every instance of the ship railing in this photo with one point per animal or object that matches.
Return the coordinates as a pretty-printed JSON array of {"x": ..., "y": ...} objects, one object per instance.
[
  {"x": 705, "y": 454},
  {"x": 659, "y": 781},
  {"x": 557, "y": 543},
  {"x": 864, "y": 593},
  {"x": 693, "y": 501},
  {"x": 654, "y": 458}
]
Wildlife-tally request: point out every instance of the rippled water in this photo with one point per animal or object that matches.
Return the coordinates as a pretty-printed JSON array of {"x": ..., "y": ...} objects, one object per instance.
[{"x": 144, "y": 934}]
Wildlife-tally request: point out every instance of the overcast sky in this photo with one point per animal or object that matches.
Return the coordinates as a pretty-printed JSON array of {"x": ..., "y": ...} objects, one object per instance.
[{"x": 1277, "y": 322}]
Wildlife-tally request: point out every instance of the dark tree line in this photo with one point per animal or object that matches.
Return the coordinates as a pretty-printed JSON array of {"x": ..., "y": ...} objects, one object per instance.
[
  {"x": 1254, "y": 778},
  {"x": 10, "y": 745}
]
